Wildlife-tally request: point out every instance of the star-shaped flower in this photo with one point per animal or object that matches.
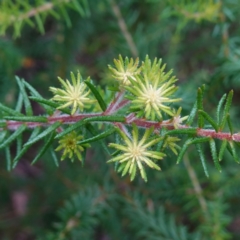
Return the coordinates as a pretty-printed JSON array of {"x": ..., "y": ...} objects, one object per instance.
[
  {"x": 70, "y": 147},
  {"x": 125, "y": 70},
  {"x": 73, "y": 95},
  {"x": 152, "y": 91},
  {"x": 135, "y": 153}
]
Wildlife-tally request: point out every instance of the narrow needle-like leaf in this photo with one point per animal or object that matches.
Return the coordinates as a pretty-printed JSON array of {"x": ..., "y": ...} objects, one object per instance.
[
  {"x": 190, "y": 131},
  {"x": 27, "y": 118},
  {"x": 9, "y": 111},
  {"x": 200, "y": 107},
  {"x": 219, "y": 108},
  {"x": 8, "y": 158},
  {"x": 91, "y": 119},
  {"x": 50, "y": 103},
  {"x": 52, "y": 128},
  {"x": 98, "y": 137},
  {"x": 226, "y": 110},
  {"x": 36, "y": 94},
  {"x": 45, "y": 147},
  {"x": 97, "y": 95},
  {"x": 25, "y": 148},
  {"x": 214, "y": 154},
  {"x": 183, "y": 150},
  {"x": 192, "y": 114},
  {"x": 13, "y": 136},
  {"x": 202, "y": 158},
  {"x": 233, "y": 150},
  {"x": 26, "y": 101},
  {"x": 209, "y": 119},
  {"x": 229, "y": 124},
  {"x": 222, "y": 149},
  {"x": 91, "y": 129},
  {"x": 55, "y": 159}
]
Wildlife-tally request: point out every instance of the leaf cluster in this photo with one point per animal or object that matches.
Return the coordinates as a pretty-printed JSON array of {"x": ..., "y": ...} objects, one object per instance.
[{"x": 18, "y": 13}]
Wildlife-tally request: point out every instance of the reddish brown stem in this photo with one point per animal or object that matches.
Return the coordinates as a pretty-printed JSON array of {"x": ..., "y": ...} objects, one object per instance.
[{"x": 168, "y": 124}]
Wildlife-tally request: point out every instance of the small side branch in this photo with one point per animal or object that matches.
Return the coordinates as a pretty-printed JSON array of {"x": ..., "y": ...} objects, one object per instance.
[
  {"x": 196, "y": 186},
  {"x": 123, "y": 27}
]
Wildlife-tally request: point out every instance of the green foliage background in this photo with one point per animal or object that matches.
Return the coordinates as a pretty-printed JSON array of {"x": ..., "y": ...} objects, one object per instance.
[{"x": 200, "y": 41}]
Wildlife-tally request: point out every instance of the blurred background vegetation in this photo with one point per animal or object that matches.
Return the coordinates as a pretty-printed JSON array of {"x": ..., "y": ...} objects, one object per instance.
[{"x": 41, "y": 40}]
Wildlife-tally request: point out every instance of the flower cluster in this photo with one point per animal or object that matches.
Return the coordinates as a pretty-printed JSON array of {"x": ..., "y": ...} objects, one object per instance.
[
  {"x": 69, "y": 145},
  {"x": 177, "y": 119},
  {"x": 151, "y": 90},
  {"x": 125, "y": 70},
  {"x": 136, "y": 153},
  {"x": 73, "y": 95}
]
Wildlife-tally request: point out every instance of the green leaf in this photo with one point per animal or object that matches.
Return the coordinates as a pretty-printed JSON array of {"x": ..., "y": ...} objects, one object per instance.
[
  {"x": 2, "y": 135},
  {"x": 51, "y": 104},
  {"x": 183, "y": 150},
  {"x": 19, "y": 143},
  {"x": 98, "y": 137},
  {"x": 115, "y": 153},
  {"x": 8, "y": 158},
  {"x": 112, "y": 118},
  {"x": 229, "y": 124},
  {"x": 70, "y": 129},
  {"x": 19, "y": 103},
  {"x": 39, "y": 23},
  {"x": 27, "y": 118},
  {"x": 54, "y": 156},
  {"x": 44, "y": 148},
  {"x": 190, "y": 131},
  {"x": 35, "y": 133},
  {"x": 200, "y": 140},
  {"x": 200, "y": 107},
  {"x": 192, "y": 114},
  {"x": 214, "y": 154},
  {"x": 9, "y": 111},
  {"x": 203, "y": 88},
  {"x": 54, "y": 14},
  {"x": 91, "y": 129},
  {"x": 209, "y": 119},
  {"x": 65, "y": 16},
  {"x": 78, "y": 7},
  {"x": 219, "y": 108},
  {"x": 113, "y": 88},
  {"x": 50, "y": 129},
  {"x": 97, "y": 95},
  {"x": 13, "y": 136},
  {"x": 3, "y": 124},
  {"x": 28, "y": 107},
  {"x": 90, "y": 119},
  {"x": 233, "y": 151},
  {"x": 222, "y": 149},
  {"x": 226, "y": 110},
  {"x": 84, "y": 153},
  {"x": 202, "y": 158},
  {"x": 36, "y": 94}
]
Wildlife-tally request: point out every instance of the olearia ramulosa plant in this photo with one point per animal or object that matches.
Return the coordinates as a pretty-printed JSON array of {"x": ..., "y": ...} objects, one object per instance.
[{"x": 141, "y": 114}]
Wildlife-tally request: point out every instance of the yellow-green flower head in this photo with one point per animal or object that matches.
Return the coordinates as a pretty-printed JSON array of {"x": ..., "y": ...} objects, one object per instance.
[
  {"x": 73, "y": 95},
  {"x": 177, "y": 119},
  {"x": 170, "y": 142},
  {"x": 152, "y": 91},
  {"x": 125, "y": 70},
  {"x": 70, "y": 147},
  {"x": 135, "y": 153}
]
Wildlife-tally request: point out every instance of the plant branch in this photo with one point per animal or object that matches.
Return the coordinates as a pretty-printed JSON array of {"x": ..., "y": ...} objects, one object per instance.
[
  {"x": 140, "y": 122},
  {"x": 33, "y": 12},
  {"x": 196, "y": 186},
  {"x": 123, "y": 27}
]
